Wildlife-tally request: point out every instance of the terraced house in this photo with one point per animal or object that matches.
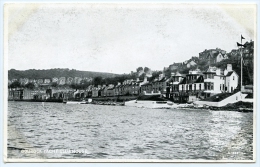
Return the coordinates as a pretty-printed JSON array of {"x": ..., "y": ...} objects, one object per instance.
[
  {"x": 191, "y": 86},
  {"x": 147, "y": 88},
  {"x": 159, "y": 86},
  {"x": 173, "y": 86}
]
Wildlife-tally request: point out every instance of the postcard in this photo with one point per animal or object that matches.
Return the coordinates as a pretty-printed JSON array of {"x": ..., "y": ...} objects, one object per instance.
[{"x": 129, "y": 82}]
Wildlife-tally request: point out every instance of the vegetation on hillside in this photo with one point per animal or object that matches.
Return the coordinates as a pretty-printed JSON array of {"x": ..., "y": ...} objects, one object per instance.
[{"x": 57, "y": 72}]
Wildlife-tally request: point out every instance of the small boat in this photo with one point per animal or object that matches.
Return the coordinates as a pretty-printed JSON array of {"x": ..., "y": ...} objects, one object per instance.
[
  {"x": 150, "y": 101},
  {"x": 75, "y": 102}
]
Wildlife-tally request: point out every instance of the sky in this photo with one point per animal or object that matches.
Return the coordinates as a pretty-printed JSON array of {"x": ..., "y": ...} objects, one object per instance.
[{"x": 118, "y": 38}]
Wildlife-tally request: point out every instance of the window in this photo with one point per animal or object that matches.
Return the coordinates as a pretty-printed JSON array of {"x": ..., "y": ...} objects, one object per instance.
[
  {"x": 200, "y": 86},
  {"x": 233, "y": 77}
]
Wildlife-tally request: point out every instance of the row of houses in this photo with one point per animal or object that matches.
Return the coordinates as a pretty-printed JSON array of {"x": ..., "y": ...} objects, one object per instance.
[
  {"x": 48, "y": 81},
  {"x": 179, "y": 88}
]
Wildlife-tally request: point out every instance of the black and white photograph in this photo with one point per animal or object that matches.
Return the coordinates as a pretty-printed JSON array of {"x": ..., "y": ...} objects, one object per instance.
[{"x": 130, "y": 82}]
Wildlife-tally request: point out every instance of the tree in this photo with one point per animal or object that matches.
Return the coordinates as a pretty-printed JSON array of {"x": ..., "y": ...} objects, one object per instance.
[
  {"x": 139, "y": 69},
  {"x": 141, "y": 77},
  {"x": 155, "y": 74},
  {"x": 168, "y": 72},
  {"x": 15, "y": 84},
  {"x": 97, "y": 81},
  {"x": 146, "y": 69},
  {"x": 30, "y": 85}
]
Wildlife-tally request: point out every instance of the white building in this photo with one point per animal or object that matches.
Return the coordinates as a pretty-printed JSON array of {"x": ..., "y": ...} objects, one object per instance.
[
  {"x": 218, "y": 81},
  {"x": 191, "y": 63},
  {"x": 232, "y": 79},
  {"x": 221, "y": 56}
]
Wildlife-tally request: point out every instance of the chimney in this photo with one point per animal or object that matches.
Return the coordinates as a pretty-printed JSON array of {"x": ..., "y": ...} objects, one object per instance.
[
  {"x": 218, "y": 71},
  {"x": 229, "y": 67},
  {"x": 145, "y": 78}
]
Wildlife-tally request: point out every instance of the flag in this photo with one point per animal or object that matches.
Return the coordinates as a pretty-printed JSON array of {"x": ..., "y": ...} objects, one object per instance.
[
  {"x": 242, "y": 37},
  {"x": 238, "y": 44}
]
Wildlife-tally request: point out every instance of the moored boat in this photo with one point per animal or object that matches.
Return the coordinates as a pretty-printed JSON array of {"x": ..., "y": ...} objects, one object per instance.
[
  {"x": 150, "y": 101},
  {"x": 75, "y": 102}
]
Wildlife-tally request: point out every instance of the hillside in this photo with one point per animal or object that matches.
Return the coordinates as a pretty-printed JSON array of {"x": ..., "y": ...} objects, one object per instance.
[
  {"x": 51, "y": 73},
  {"x": 233, "y": 57}
]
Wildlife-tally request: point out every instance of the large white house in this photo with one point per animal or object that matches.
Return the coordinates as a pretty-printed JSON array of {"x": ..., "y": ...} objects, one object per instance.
[{"x": 219, "y": 81}]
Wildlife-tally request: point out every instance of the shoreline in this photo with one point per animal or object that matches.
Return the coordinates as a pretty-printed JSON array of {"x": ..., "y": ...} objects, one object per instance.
[{"x": 239, "y": 106}]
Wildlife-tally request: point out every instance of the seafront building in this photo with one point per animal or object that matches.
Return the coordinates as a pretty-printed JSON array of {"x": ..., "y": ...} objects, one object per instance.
[
  {"x": 180, "y": 88},
  {"x": 191, "y": 87}
]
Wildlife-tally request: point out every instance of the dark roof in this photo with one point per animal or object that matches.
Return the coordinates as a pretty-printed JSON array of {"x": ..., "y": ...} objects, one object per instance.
[
  {"x": 213, "y": 54},
  {"x": 146, "y": 84},
  {"x": 183, "y": 81},
  {"x": 210, "y": 72},
  {"x": 200, "y": 79},
  {"x": 192, "y": 74},
  {"x": 229, "y": 73},
  {"x": 162, "y": 80}
]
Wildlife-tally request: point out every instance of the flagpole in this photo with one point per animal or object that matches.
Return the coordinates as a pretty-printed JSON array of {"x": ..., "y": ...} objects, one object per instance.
[
  {"x": 241, "y": 65},
  {"x": 241, "y": 69}
]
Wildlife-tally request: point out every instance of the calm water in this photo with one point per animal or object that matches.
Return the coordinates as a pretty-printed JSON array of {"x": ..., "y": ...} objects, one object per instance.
[{"x": 120, "y": 132}]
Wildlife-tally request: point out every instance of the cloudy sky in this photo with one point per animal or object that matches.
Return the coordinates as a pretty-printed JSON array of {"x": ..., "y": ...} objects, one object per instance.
[{"x": 118, "y": 38}]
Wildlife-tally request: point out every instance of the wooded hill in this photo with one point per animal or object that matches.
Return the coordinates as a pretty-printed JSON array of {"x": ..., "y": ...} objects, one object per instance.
[{"x": 57, "y": 72}]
